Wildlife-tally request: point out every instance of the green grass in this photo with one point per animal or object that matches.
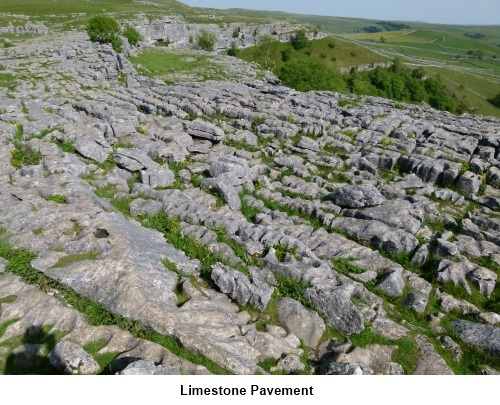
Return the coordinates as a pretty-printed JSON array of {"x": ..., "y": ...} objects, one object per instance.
[
  {"x": 103, "y": 359},
  {"x": 175, "y": 67},
  {"x": 446, "y": 51},
  {"x": 407, "y": 354},
  {"x": 57, "y": 198},
  {"x": 64, "y": 14},
  {"x": 8, "y": 81},
  {"x": 171, "y": 229},
  {"x": 67, "y": 147},
  {"x": 345, "y": 266},
  {"x": 291, "y": 288},
  {"x": 335, "y": 53},
  {"x": 69, "y": 259},
  {"x": 24, "y": 155}
]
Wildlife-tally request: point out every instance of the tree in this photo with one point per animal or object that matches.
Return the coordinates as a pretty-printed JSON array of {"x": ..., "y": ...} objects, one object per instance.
[
  {"x": 286, "y": 54},
  {"x": 495, "y": 100},
  {"x": 104, "y": 30},
  {"x": 233, "y": 51},
  {"x": 300, "y": 40},
  {"x": 311, "y": 74},
  {"x": 206, "y": 40},
  {"x": 132, "y": 35}
]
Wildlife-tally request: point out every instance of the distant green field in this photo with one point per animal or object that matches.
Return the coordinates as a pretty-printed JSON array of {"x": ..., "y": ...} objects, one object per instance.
[
  {"x": 67, "y": 14},
  {"x": 90, "y": 7},
  {"x": 469, "y": 67}
]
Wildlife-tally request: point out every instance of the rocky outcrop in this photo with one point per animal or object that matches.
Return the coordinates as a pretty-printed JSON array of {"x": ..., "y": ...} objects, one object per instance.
[{"x": 180, "y": 34}]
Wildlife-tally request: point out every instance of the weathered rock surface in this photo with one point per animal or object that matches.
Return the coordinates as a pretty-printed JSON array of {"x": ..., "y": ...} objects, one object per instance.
[
  {"x": 143, "y": 367},
  {"x": 69, "y": 358},
  {"x": 305, "y": 324},
  {"x": 485, "y": 337},
  {"x": 430, "y": 362},
  {"x": 358, "y": 196},
  {"x": 122, "y": 207}
]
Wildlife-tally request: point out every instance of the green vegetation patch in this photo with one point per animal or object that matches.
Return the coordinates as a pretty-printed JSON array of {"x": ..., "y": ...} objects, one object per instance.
[
  {"x": 24, "y": 155},
  {"x": 57, "y": 198},
  {"x": 174, "y": 67},
  {"x": 67, "y": 260}
]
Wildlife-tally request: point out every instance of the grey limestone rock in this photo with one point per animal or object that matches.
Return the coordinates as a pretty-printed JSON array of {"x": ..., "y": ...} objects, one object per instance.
[
  {"x": 157, "y": 176},
  {"x": 144, "y": 367},
  {"x": 358, "y": 196},
  {"x": 202, "y": 129},
  {"x": 307, "y": 143},
  {"x": 388, "y": 328},
  {"x": 341, "y": 312},
  {"x": 346, "y": 369},
  {"x": 485, "y": 337},
  {"x": 305, "y": 324},
  {"x": 133, "y": 160},
  {"x": 459, "y": 272},
  {"x": 69, "y": 358},
  {"x": 289, "y": 364},
  {"x": 430, "y": 362},
  {"x": 378, "y": 234},
  {"x": 470, "y": 183},
  {"x": 239, "y": 287},
  {"x": 392, "y": 284},
  {"x": 376, "y": 357}
]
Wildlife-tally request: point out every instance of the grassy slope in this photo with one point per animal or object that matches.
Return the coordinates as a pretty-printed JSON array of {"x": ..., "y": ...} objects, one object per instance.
[
  {"x": 50, "y": 7},
  {"x": 341, "y": 54}
]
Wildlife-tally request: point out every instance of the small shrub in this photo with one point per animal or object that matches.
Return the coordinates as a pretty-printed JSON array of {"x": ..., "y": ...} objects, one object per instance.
[
  {"x": 132, "y": 35},
  {"x": 300, "y": 40},
  {"x": 233, "y": 51},
  {"x": 206, "y": 40},
  {"x": 104, "y": 30},
  {"x": 286, "y": 55},
  {"x": 495, "y": 100}
]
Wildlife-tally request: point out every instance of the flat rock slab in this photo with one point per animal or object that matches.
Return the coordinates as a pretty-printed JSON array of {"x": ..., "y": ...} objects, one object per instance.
[
  {"x": 144, "y": 367},
  {"x": 69, "y": 358},
  {"x": 305, "y": 324},
  {"x": 430, "y": 363},
  {"x": 485, "y": 337},
  {"x": 358, "y": 196},
  {"x": 341, "y": 312}
]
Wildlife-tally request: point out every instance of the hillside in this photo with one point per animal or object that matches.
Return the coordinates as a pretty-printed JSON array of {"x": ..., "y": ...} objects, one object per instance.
[{"x": 172, "y": 210}]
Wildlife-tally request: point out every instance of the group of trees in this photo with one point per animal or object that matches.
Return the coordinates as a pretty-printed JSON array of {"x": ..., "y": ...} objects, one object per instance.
[
  {"x": 105, "y": 30},
  {"x": 396, "y": 82}
]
